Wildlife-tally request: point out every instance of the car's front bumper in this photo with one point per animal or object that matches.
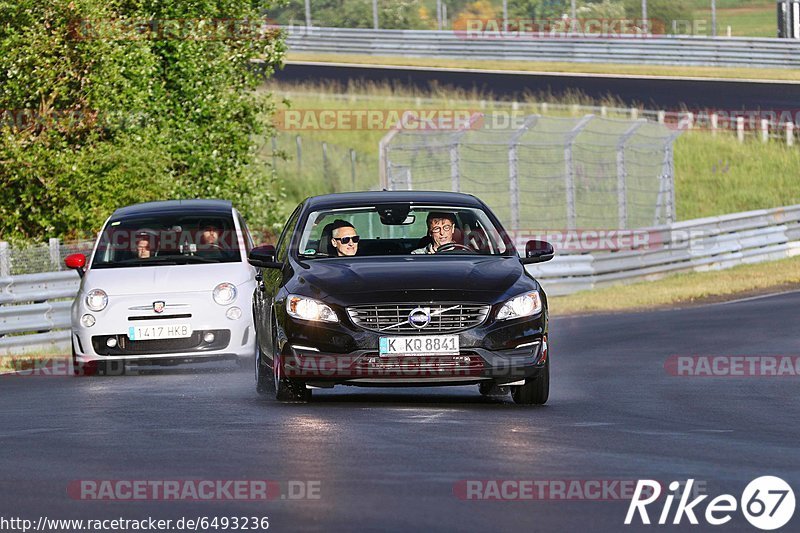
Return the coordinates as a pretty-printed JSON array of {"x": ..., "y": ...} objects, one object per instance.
[
  {"x": 506, "y": 353},
  {"x": 231, "y": 338}
]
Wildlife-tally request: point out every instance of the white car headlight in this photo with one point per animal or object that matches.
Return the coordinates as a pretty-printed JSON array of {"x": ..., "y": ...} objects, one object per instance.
[
  {"x": 225, "y": 293},
  {"x": 309, "y": 309},
  {"x": 527, "y": 304},
  {"x": 96, "y": 299}
]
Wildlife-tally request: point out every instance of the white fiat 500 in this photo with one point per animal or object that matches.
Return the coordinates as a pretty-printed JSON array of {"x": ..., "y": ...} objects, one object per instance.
[{"x": 167, "y": 282}]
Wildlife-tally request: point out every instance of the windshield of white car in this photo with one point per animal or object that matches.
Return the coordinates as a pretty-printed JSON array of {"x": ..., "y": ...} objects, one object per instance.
[
  {"x": 401, "y": 230},
  {"x": 168, "y": 239}
]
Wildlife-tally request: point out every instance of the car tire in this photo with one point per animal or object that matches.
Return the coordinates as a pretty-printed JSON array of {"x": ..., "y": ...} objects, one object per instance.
[
  {"x": 288, "y": 390},
  {"x": 264, "y": 384},
  {"x": 536, "y": 390}
]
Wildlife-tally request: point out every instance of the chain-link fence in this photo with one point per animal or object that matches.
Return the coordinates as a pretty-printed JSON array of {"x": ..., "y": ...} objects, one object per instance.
[
  {"x": 32, "y": 259},
  {"x": 545, "y": 172},
  {"x": 308, "y": 167}
]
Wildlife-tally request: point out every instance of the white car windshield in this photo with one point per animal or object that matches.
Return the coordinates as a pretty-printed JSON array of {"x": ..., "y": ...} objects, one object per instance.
[
  {"x": 168, "y": 239},
  {"x": 397, "y": 230}
]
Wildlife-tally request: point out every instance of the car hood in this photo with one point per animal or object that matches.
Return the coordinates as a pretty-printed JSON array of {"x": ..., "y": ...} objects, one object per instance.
[
  {"x": 454, "y": 277},
  {"x": 166, "y": 278}
]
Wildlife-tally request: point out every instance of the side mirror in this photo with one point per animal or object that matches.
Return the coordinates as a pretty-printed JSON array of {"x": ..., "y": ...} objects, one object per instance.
[
  {"x": 538, "y": 252},
  {"x": 263, "y": 257},
  {"x": 76, "y": 262}
]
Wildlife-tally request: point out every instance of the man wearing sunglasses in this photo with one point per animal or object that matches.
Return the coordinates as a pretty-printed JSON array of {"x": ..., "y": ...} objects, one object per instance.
[
  {"x": 441, "y": 227},
  {"x": 345, "y": 239}
]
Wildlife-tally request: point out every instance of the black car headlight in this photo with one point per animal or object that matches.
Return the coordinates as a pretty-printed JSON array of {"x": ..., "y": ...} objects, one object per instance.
[
  {"x": 306, "y": 308},
  {"x": 527, "y": 304}
]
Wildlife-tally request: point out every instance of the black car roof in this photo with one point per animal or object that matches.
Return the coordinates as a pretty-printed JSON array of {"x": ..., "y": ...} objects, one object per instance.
[
  {"x": 201, "y": 206},
  {"x": 352, "y": 199}
]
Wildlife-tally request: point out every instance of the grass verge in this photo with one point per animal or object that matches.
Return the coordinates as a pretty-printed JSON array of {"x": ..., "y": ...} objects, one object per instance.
[
  {"x": 557, "y": 67},
  {"x": 684, "y": 289},
  {"x": 28, "y": 361}
]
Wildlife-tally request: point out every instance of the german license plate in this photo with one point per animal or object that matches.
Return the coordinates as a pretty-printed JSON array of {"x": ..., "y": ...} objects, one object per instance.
[
  {"x": 161, "y": 331},
  {"x": 419, "y": 345}
]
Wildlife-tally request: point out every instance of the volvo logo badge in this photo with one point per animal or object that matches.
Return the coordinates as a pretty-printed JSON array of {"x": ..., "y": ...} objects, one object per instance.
[
  {"x": 158, "y": 307},
  {"x": 420, "y": 317}
]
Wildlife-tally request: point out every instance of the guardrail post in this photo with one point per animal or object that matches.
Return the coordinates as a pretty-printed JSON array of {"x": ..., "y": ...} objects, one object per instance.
[
  {"x": 764, "y": 130},
  {"x": 662, "y": 117},
  {"x": 790, "y": 134},
  {"x": 740, "y": 128},
  {"x": 55, "y": 254},
  {"x": 5, "y": 260},
  {"x": 714, "y": 124}
]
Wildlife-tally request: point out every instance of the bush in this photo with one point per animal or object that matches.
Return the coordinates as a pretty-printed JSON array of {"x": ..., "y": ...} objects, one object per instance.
[{"x": 97, "y": 115}]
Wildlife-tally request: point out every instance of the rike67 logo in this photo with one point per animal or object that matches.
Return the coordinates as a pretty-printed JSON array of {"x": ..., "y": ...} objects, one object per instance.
[{"x": 767, "y": 503}]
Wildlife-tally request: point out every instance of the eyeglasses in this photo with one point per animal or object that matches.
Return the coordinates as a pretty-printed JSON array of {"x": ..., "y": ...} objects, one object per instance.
[
  {"x": 346, "y": 240},
  {"x": 439, "y": 229}
]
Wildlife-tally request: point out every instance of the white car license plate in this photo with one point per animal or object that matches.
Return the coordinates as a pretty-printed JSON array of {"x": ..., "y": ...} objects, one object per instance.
[
  {"x": 161, "y": 331},
  {"x": 419, "y": 345}
]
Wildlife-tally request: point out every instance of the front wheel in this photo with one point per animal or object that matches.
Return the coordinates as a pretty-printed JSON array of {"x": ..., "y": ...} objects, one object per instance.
[
  {"x": 536, "y": 390},
  {"x": 288, "y": 390}
]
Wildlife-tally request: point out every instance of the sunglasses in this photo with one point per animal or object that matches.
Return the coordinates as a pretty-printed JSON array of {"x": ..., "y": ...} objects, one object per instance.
[{"x": 346, "y": 240}]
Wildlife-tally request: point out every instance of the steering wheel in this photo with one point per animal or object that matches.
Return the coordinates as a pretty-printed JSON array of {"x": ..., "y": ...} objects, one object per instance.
[{"x": 450, "y": 246}]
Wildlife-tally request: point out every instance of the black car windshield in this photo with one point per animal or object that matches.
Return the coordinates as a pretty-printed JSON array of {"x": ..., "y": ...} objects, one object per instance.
[
  {"x": 399, "y": 229},
  {"x": 168, "y": 239}
]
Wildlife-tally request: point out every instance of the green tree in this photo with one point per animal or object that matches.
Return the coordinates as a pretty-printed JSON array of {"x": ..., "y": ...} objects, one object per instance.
[{"x": 107, "y": 103}]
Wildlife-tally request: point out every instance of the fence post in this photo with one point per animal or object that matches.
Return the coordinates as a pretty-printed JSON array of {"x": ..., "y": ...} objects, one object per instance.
[
  {"x": 55, "y": 254},
  {"x": 714, "y": 124},
  {"x": 455, "y": 183},
  {"x": 513, "y": 170},
  {"x": 622, "y": 189},
  {"x": 764, "y": 130},
  {"x": 325, "y": 162},
  {"x": 740, "y": 128},
  {"x": 274, "y": 154},
  {"x": 569, "y": 175},
  {"x": 383, "y": 156},
  {"x": 353, "y": 168},
  {"x": 662, "y": 117},
  {"x": 790, "y": 134},
  {"x": 5, "y": 260},
  {"x": 299, "y": 144}
]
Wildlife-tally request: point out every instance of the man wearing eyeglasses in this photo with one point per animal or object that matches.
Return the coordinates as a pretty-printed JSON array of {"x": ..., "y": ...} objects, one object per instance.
[
  {"x": 345, "y": 239},
  {"x": 441, "y": 227}
]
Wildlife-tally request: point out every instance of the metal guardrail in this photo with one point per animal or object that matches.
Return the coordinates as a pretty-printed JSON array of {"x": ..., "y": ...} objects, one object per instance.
[
  {"x": 41, "y": 302},
  {"x": 678, "y": 50},
  {"x": 697, "y": 245},
  {"x": 35, "y": 311}
]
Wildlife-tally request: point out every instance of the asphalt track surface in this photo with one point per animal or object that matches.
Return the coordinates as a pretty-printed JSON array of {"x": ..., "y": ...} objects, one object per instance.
[
  {"x": 389, "y": 459},
  {"x": 671, "y": 94}
]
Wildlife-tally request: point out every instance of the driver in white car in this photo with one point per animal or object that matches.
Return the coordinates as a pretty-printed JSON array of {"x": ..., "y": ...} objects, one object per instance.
[{"x": 441, "y": 227}]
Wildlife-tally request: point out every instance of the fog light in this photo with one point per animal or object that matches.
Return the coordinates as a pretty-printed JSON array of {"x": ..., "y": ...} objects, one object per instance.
[
  {"x": 234, "y": 313},
  {"x": 87, "y": 321},
  {"x": 111, "y": 342},
  {"x": 208, "y": 337}
]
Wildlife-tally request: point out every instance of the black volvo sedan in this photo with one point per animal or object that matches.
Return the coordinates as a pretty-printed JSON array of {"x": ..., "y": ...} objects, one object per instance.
[{"x": 399, "y": 288}]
